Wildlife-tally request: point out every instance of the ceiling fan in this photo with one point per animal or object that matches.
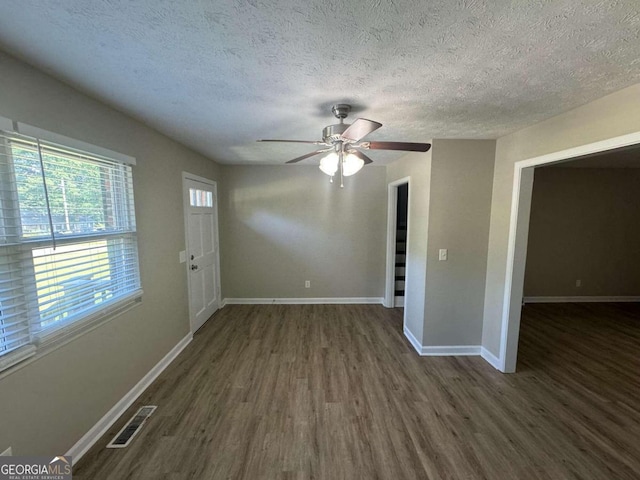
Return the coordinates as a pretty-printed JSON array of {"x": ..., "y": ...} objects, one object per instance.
[{"x": 342, "y": 143}]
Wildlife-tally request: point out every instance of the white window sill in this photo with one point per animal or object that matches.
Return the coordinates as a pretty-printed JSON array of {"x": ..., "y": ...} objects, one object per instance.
[{"x": 47, "y": 342}]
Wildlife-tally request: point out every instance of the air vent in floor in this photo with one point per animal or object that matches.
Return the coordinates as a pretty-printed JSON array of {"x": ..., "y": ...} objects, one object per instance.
[{"x": 124, "y": 436}]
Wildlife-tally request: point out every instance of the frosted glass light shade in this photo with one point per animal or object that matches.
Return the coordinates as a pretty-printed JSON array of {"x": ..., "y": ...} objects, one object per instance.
[
  {"x": 329, "y": 164},
  {"x": 351, "y": 165}
]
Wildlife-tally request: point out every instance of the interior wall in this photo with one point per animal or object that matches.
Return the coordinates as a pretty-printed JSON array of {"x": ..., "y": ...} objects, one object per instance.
[
  {"x": 584, "y": 226},
  {"x": 613, "y": 115},
  {"x": 459, "y": 209},
  {"x": 417, "y": 166},
  {"x": 283, "y": 225},
  {"x": 50, "y": 403}
]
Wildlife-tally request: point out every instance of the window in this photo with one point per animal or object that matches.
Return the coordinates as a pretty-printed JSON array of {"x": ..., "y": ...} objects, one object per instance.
[
  {"x": 200, "y": 198},
  {"x": 68, "y": 248}
]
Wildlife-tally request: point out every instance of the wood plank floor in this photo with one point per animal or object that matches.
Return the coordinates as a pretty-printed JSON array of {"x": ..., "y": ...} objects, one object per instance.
[{"x": 336, "y": 392}]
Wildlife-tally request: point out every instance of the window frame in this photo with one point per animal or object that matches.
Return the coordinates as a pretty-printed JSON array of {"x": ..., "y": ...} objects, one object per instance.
[{"x": 46, "y": 340}]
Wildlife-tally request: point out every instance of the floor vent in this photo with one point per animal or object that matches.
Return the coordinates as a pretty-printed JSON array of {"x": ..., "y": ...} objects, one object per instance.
[{"x": 124, "y": 436}]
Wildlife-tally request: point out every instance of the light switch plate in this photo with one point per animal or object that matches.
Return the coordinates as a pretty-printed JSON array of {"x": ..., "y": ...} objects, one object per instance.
[
  {"x": 442, "y": 254},
  {"x": 182, "y": 256}
]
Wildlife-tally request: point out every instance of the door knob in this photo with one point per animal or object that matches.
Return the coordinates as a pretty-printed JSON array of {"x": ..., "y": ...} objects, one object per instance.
[
  {"x": 192, "y": 257},
  {"x": 194, "y": 267}
]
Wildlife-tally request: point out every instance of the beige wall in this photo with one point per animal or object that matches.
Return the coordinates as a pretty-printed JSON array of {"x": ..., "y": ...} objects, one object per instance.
[
  {"x": 461, "y": 177},
  {"x": 417, "y": 166},
  {"x": 611, "y": 116},
  {"x": 282, "y": 225},
  {"x": 449, "y": 205},
  {"x": 47, "y": 405},
  {"x": 584, "y": 225}
]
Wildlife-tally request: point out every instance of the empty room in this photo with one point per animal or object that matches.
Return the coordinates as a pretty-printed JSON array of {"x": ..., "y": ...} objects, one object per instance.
[{"x": 319, "y": 240}]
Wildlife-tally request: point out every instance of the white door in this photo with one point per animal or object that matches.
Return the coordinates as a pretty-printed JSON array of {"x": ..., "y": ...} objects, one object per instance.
[{"x": 201, "y": 211}]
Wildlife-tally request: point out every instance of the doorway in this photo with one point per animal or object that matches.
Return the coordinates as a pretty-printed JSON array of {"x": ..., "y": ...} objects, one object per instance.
[
  {"x": 202, "y": 254},
  {"x": 397, "y": 243},
  {"x": 518, "y": 234},
  {"x": 402, "y": 205}
]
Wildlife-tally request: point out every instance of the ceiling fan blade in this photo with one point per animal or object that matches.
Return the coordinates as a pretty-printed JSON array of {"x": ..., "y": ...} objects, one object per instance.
[
  {"x": 361, "y": 156},
  {"x": 360, "y": 129},
  {"x": 294, "y": 141},
  {"x": 317, "y": 152},
  {"x": 406, "y": 146}
]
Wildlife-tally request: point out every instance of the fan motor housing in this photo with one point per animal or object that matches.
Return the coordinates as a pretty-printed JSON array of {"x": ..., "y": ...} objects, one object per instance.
[{"x": 333, "y": 133}]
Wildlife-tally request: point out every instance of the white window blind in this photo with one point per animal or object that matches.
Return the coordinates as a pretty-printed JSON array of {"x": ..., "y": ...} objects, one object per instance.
[{"x": 68, "y": 247}]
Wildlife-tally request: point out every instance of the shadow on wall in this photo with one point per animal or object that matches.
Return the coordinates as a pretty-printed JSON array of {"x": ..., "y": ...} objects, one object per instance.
[
  {"x": 287, "y": 224},
  {"x": 584, "y": 233}
]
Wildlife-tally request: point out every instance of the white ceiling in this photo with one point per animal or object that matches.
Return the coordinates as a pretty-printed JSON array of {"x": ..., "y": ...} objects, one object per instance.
[{"x": 217, "y": 75}]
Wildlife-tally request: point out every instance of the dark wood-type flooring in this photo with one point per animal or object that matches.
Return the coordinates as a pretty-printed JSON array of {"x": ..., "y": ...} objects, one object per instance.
[{"x": 336, "y": 392}]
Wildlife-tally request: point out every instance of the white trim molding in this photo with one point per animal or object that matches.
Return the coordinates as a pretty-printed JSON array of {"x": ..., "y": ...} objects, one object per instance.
[
  {"x": 7, "y": 124},
  {"x": 441, "y": 350},
  {"x": 413, "y": 340},
  {"x": 61, "y": 337},
  {"x": 490, "y": 358},
  {"x": 100, "y": 428},
  {"x": 582, "y": 299},
  {"x": 451, "y": 350},
  {"x": 304, "y": 301}
]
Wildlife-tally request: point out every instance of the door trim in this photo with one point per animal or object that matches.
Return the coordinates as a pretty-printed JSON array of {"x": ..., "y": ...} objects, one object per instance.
[
  {"x": 517, "y": 243},
  {"x": 185, "y": 205}
]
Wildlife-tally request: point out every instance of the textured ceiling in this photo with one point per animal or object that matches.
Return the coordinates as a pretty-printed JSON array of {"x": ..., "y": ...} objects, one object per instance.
[{"x": 217, "y": 75}]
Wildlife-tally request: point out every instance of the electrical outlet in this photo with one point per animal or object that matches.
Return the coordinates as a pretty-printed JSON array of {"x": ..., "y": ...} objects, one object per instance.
[
  {"x": 7, "y": 453},
  {"x": 578, "y": 283},
  {"x": 307, "y": 284}
]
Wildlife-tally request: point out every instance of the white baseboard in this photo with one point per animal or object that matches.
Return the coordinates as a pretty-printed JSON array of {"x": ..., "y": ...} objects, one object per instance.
[
  {"x": 451, "y": 350},
  {"x": 441, "y": 351},
  {"x": 413, "y": 340},
  {"x": 582, "y": 299},
  {"x": 92, "y": 436},
  {"x": 491, "y": 359},
  {"x": 303, "y": 301}
]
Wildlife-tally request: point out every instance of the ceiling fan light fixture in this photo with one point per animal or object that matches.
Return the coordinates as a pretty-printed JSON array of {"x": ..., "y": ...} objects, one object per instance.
[
  {"x": 351, "y": 165},
  {"x": 344, "y": 141},
  {"x": 329, "y": 164}
]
